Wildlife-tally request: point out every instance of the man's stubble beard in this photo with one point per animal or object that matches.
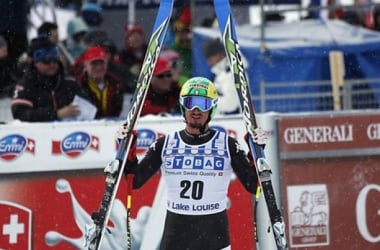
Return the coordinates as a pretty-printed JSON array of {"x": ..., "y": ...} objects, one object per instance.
[{"x": 195, "y": 125}]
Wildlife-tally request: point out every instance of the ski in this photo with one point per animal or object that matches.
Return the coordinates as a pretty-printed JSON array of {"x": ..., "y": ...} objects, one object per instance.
[
  {"x": 229, "y": 37},
  {"x": 95, "y": 232}
]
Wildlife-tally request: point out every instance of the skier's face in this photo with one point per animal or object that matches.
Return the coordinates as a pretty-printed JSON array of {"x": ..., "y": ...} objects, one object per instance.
[{"x": 196, "y": 119}]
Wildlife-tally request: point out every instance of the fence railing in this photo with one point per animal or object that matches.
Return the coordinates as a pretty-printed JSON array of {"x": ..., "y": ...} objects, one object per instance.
[
  {"x": 290, "y": 97},
  {"x": 316, "y": 95}
]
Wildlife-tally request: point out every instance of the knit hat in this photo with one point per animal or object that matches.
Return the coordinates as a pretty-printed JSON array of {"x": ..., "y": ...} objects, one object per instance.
[
  {"x": 213, "y": 47},
  {"x": 42, "y": 48},
  {"x": 92, "y": 14},
  {"x": 95, "y": 53},
  {"x": 91, "y": 7},
  {"x": 162, "y": 66}
]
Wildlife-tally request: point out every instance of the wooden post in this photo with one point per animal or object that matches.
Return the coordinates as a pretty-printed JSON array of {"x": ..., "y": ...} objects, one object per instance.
[{"x": 337, "y": 76}]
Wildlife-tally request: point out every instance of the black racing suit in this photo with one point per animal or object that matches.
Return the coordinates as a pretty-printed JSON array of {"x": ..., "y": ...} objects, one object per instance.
[{"x": 195, "y": 232}]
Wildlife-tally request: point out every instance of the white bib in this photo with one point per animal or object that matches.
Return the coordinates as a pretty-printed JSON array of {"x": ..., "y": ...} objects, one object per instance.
[{"x": 196, "y": 177}]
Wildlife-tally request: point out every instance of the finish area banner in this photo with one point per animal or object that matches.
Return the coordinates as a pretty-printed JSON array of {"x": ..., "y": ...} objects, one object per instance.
[{"x": 51, "y": 180}]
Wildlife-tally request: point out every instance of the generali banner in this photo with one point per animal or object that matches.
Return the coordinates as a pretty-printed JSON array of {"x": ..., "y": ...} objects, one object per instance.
[
  {"x": 310, "y": 134},
  {"x": 330, "y": 180}
]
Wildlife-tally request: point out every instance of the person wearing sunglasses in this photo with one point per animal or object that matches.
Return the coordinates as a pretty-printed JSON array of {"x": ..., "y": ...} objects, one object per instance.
[
  {"x": 44, "y": 93},
  {"x": 162, "y": 96},
  {"x": 196, "y": 165}
]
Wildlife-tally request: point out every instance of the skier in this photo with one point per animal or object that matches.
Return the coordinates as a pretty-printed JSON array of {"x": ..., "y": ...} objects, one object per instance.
[{"x": 196, "y": 165}]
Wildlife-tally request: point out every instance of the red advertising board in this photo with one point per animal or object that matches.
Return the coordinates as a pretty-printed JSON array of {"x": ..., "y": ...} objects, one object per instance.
[
  {"x": 50, "y": 210},
  {"x": 330, "y": 180},
  {"x": 51, "y": 180}
]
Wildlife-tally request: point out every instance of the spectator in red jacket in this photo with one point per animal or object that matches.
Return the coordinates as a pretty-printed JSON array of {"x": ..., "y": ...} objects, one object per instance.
[
  {"x": 162, "y": 96},
  {"x": 104, "y": 89}
]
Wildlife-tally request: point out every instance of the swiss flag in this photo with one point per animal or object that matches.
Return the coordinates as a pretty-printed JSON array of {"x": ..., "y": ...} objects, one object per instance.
[
  {"x": 30, "y": 146},
  {"x": 94, "y": 142},
  {"x": 15, "y": 226}
]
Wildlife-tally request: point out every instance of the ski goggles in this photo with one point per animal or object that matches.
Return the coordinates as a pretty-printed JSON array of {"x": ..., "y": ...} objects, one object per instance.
[
  {"x": 45, "y": 54},
  {"x": 202, "y": 103}
]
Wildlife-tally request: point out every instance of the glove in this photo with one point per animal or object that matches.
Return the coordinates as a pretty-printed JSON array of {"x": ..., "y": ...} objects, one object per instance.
[
  {"x": 260, "y": 136},
  {"x": 121, "y": 133},
  {"x": 132, "y": 150}
]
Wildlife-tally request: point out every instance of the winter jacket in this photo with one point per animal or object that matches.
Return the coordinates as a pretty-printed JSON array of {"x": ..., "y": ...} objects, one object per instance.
[
  {"x": 37, "y": 97},
  {"x": 156, "y": 103},
  {"x": 109, "y": 100}
]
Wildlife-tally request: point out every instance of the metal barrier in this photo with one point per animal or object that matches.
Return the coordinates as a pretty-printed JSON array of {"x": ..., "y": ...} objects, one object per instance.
[
  {"x": 6, "y": 113},
  {"x": 279, "y": 97},
  {"x": 355, "y": 94}
]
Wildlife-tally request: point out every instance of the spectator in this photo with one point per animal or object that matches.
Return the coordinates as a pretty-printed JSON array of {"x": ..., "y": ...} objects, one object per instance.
[
  {"x": 162, "y": 96},
  {"x": 133, "y": 53},
  {"x": 44, "y": 93},
  {"x": 76, "y": 30},
  {"x": 92, "y": 38},
  {"x": 92, "y": 15},
  {"x": 103, "y": 88},
  {"x": 214, "y": 52},
  {"x": 50, "y": 30},
  {"x": 7, "y": 70},
  {"x": 13, "y": 27},
  {"x": 100, "y": 38},
  {"x": 175, "y": 62},
  {"x": 182, "y": 43}
]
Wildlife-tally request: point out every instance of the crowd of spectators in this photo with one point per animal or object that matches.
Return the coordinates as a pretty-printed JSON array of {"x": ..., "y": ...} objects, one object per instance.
[
  {"x": 50, "y": 74},
  {"x": 44, "y": 75}
]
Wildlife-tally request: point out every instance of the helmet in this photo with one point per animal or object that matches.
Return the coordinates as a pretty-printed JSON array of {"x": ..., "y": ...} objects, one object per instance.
[{"x": 198, "y": 92}]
